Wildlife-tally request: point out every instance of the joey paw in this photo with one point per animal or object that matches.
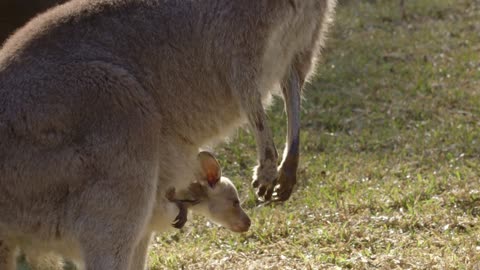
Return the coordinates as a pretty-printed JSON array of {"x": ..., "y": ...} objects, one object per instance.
[{"x": 181, "y": 218}]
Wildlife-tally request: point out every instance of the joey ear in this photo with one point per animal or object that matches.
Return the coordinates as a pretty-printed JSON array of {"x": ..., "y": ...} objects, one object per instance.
[{"x": 209, "y": 168}]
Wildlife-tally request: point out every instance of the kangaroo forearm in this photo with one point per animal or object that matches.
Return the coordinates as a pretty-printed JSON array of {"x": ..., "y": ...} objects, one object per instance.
[
  {"x": 291, "y": 92},
  {"x": 266, "y": 150}
]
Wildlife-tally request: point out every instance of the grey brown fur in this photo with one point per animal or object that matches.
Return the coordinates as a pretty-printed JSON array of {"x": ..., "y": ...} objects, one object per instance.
[{"x": 99, "y": 98}]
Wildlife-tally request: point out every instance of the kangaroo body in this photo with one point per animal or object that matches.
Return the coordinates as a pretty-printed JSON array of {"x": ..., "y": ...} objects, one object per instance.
[{"x": 99, "y": 98}]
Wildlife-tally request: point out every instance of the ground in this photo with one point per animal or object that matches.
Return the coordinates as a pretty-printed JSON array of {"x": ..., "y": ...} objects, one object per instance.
[{"x": 390, "y": 157}]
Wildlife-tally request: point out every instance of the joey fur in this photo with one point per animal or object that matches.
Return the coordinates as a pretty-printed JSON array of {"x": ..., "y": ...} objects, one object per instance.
[
  {"x": 211, "y": 195},
  {"x": 99, "y": 98}
]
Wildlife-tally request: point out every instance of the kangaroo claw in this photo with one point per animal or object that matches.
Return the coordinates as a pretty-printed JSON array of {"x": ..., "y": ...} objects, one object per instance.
[{"x": 181, "y": 218}]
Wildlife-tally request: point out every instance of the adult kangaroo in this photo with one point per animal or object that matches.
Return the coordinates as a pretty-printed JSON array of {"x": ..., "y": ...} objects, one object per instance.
[{"x": 94, "y": 95}]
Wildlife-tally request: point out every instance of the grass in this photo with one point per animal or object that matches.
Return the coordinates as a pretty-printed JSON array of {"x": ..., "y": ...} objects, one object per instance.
[{"x": 390, "y": 164}]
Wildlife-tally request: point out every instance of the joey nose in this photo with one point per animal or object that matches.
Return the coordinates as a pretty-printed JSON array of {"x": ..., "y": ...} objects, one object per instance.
[
  {"x": 246, "y": 224},
  {"x": 242, "y": 225}
]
